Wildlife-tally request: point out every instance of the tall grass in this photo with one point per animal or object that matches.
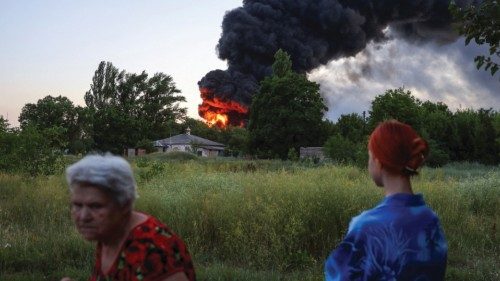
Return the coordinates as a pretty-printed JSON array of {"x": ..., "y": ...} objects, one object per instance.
[{"x": 249, "y": 220}]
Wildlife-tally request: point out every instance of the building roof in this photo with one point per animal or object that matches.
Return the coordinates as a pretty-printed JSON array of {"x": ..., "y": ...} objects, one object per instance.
[{"x": 187, "y": 139}]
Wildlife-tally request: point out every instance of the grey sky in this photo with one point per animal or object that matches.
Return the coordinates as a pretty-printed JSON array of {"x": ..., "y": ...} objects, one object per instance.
[{"x": 435, "y": 72}]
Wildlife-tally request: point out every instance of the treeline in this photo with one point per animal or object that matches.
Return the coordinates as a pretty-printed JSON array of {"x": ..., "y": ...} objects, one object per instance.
[
  {"x": 124, "y": 110},
  {"x": 464, "y": 135}
]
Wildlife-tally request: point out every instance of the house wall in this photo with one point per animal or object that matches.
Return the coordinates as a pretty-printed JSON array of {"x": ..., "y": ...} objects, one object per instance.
[
  {"x": 187, "y": 148},
  {"x": 180, "y": 147},
  {"x": 209, "y": 152}
]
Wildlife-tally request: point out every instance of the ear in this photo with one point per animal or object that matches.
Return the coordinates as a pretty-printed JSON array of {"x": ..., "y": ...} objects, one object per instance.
[
  {"x": 127, "y": 207},
  {"x": 377, "y": 163}
]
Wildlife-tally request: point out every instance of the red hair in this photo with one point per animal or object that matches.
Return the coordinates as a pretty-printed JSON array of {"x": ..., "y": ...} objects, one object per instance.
[{"x": 398, "y": 147}]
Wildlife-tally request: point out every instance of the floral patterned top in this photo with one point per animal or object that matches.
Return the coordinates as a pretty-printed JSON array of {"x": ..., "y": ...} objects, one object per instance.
[
  {"x": 399, "y": 239},
  {"x": 151, "y": 252}
]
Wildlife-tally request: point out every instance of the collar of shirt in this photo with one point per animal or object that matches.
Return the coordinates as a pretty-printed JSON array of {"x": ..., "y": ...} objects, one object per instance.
[{"x": 403, "y": 200}]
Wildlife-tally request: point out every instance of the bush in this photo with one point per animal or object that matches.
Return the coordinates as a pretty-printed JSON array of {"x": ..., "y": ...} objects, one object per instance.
[
  {"x": 173, "y": 155},
  {"x": 340, "y": 149},
  {"x": 146, "y": 144},
  {"x": 437, "y": 156},
  {"x": 31, "y": 151}
]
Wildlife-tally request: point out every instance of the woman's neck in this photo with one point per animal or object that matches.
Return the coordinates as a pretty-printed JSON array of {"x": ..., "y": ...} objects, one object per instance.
[
  {"x": 396, "y": 184},
  {"x": 120, "y": 234}
]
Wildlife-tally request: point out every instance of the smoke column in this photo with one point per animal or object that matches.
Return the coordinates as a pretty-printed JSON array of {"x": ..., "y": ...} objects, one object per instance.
[{"x": 313, "y": 32}]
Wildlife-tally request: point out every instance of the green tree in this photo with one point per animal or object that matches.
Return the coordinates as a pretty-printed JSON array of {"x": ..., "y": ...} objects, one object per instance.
[
  {"x": 396, "y": 104},
  {"x": 439, "y": 131},
  {"x": 481, "y": 23},
  {"x": 127, "y": 107},
  {"x": 496, "y": 126},
  {"x": 286, "y": 113},
  {"x": 56, "y": 113},
  {"x": 160, "y": 106},
  {"x": 31, "y": 150},
  {"x": 352, "y": 126},
  {"x": 340, "y": 149},
  {"x": 4, "y": 124},
  {"x": 200, "y": 129},
  {"x": 466, "y": 122},
  {"x": 237, "y": 143}
]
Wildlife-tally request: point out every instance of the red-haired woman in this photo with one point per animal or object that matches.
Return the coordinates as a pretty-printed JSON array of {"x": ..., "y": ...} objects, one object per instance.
[{"x": 401, "y": 238}]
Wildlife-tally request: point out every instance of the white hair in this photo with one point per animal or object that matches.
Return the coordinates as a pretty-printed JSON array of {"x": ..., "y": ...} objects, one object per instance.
[{"x": 110, "y": 173}]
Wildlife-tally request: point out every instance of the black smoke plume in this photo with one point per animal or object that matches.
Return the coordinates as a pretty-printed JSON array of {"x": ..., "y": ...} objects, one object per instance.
[{"x": 313, "y": 32}]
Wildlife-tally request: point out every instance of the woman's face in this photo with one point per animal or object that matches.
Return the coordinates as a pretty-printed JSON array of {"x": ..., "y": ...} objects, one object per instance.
[
  {"x": 375, "y": 169},
  {"x": 96, "y": 216}
]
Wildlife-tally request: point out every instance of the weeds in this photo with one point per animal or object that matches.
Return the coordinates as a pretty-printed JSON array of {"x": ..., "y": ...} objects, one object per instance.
[{"x": 249, "y": 220}]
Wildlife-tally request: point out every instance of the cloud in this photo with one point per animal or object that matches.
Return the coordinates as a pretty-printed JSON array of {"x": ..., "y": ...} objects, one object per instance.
[{"x": 431, "y": 71}]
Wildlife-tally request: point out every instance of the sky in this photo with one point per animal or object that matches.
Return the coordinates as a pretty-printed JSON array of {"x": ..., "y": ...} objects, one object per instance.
[
  {"x": 431, "y": 71},
  {"x": 53, "y": 48}
]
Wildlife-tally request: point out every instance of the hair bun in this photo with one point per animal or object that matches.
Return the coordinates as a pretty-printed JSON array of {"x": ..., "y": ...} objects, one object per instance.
[
  {"x": 398, "y": 147},
  {"x": 419, "y": 151}
]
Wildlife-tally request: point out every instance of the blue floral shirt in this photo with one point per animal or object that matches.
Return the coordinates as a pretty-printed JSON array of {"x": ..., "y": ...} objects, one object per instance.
[{"x": 399, "y": 239}]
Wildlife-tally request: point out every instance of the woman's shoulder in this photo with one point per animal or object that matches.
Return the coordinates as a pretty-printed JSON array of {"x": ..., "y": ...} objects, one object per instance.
[
  {"x": 365, "y": 219},
  {"x": 152, "y": 229},
  {"x": 154, "y": 249}
]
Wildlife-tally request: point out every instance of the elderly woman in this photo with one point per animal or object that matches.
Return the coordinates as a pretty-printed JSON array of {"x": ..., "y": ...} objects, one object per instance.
[
  {"x": 130, "y": 245},
  {"x": 401, "y": 238}
]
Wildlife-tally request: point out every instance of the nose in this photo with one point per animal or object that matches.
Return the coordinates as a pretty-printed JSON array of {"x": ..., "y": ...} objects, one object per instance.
[{"x": 84, "y": 214}]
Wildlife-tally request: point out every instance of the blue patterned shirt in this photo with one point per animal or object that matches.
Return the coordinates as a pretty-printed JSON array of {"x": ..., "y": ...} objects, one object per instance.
[{"x": 399, "y": 239}]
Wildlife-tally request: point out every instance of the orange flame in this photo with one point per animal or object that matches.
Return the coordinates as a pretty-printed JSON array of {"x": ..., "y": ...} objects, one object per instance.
[
  {"x": 221, "y": 113},
  {"x": 218, "y": 119}
]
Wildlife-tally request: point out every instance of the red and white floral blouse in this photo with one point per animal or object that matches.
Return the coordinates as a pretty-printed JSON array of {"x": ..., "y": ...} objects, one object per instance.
[{"x": 151, "y": 252}]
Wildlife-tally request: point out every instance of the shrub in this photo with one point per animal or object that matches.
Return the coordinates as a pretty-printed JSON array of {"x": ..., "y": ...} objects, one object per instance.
[{"x": 340, "y": 149}]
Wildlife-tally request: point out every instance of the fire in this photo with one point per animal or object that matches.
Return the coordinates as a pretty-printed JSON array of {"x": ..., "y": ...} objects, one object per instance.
[
  {"x": 212, "y": 118},
  {"x": 219, "y": 112}
]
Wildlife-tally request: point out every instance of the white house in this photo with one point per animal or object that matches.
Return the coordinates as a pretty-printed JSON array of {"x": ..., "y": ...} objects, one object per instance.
[{"x": 190, "y": 143}]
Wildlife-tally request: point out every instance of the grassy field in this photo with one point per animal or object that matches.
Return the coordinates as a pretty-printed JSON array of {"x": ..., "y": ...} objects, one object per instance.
[{"x": 249, "y": 220}]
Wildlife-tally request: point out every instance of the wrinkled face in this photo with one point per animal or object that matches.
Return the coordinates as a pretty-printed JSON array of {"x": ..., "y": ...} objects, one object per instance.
[
  {"x": 96, "y": 216},
  {"x": 375, "y": 169}
]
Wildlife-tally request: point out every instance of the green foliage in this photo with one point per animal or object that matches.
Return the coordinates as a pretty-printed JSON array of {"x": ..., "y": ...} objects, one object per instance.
[
  {"x": 284, "y": 221},
  {"x": 60, "y": 114},
  {"x": 286, "y": 113},
  {"x": 340, "y": 149},
  {"x": 293, "y": 155},
  {"x": 236, "y": 140},
  {"x": 395, "y": 104},
  {"x": 172, "y": 155},
  {"x": 465, "y": 135},
  {"x": 438, "y": 155},
  {"x": 496, "y": 127},
  {"x": 481, "y": 23},
  {"x": 344, "y": 151},
  {"x": 282, "y": 64},
  {"x": 4, "y": 124},
  {"x": 31, "y": 151},
  {"x": 127, "y": 107},
  {"x": 201, "y": 129},
  {"x": 352, "y": 127},
  {"x": 146, "y": 144}
]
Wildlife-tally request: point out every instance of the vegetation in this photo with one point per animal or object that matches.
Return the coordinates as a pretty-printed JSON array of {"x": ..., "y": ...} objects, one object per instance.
[
  {"x": 249, "y": 220},
  {"x": 481, "y": 23},
  {"x": 126, "y": 108},
  {"x": 286, "y": 114},
  {"x": 465, "y": 135}
]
